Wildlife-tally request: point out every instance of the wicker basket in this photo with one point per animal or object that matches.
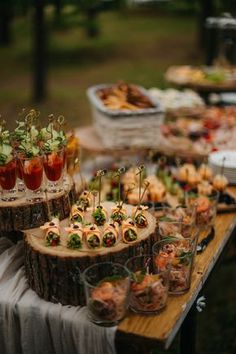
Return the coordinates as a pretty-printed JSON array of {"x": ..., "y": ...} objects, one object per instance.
[{"x": 121, "y": 128}]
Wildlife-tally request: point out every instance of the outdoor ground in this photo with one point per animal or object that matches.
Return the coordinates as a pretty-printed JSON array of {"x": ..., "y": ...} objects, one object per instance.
[{"x": 137, "y": 48}]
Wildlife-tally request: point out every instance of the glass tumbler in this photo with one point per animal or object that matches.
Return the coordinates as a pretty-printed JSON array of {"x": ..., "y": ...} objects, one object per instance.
[
  {"x": 54, "y": 163},
  {"x": 32, "y": 172},
  {"x": 149, "y": 285},
  {"x": 107, "y": 287},
  {"x": 8, "y": 175},
  {"x": 176, "y": 254},
  {"x": 206, "y": 207}
]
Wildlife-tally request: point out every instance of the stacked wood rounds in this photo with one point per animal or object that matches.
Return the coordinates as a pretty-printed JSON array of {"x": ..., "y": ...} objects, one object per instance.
[
  {"x": 22, "y": 215},
  {"x": 55, "y": 272}
]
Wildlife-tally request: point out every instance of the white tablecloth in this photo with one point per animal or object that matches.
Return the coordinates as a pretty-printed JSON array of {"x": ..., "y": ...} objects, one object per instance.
[{"x": 30, "y": 325}]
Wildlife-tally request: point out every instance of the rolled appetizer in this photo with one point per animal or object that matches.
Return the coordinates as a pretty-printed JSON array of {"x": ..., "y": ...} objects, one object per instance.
[
  {"x": 100, "y": 215},
  {"x": 85, "y": 200},
  {"x": 220, "y": 183},
  {"x": 110, "y": 234},
  {"x": 76, "y": 214},
  {"x": 119, "y": 214},
  {"x": 93, "y": 236},
  {"x": 52, "y": 232},
  {"x": 75, "y": 235},
  {"x": 139, "y": 216},
  {"x": 129, "y": 231},
  {"x": 205, "y": 172}
]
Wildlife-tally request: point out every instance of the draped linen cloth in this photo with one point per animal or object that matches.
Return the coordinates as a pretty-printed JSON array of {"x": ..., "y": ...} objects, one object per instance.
[{"x": 30, "y": 325}]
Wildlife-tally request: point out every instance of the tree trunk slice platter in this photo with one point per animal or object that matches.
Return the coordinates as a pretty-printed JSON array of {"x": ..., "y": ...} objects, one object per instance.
[
  {"x": 22, "y": 215},
  {"x": 55, "y": 272}
]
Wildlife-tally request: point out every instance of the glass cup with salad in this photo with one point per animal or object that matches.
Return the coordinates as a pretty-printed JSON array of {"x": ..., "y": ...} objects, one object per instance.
[
  {"x": 179, "y": 220},
  {"x": 149, "y": 285},
  {"x": 107, "y": 287},
  {"x": 206, "y": 207},
  {"x": 176, "y": 254}
]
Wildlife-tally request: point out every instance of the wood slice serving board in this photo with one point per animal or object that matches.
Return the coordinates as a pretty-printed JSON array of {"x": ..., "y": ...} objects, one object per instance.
[
  {"x": 21, "y": 214},
  {"x": 55, "y": 272}
]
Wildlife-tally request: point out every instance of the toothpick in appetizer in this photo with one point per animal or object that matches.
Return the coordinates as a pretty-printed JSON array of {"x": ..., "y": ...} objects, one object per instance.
[
  {"x": 52, "y": 232},
  {"x": 75, "y": 236},
  {"x": 129, "y": 231},
  {"x": 93, "y": 236},
  {"x": 110, "y": 234}
]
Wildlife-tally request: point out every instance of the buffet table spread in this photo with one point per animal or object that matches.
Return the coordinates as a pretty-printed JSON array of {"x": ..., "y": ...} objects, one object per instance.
[
  {"x": 162, "y": 329},
  {"x": 27, "y": 322}
]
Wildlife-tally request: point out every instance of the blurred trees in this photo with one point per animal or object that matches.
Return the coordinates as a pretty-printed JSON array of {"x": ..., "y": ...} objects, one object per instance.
[
  {"x": 39, "y": 52},
  {"x": 88, "y": 11},
  {"x": 6, "y": 13}
]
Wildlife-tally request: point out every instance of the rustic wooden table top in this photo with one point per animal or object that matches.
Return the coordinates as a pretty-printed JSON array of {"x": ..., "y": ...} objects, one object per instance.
[
  {"x": 91, "y": 143},
  {"x": 163, "y": 327}
]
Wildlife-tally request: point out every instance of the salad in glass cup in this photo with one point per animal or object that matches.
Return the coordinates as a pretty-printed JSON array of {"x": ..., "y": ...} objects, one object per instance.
[
  {"x": 206, "y": 207},
  {"x": 176, "y": 254},
  {"x": 107, "y": 288},
  {"x": 179, "y": 220},
  {"x": 149, "y": 286}
]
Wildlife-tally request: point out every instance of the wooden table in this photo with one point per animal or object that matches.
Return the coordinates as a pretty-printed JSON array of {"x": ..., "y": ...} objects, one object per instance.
[
  {"x": 151, "y": 331},
  {"x": 91, "y": 144}
]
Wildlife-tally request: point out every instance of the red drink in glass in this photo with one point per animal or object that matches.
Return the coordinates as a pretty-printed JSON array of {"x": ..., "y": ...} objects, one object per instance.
[
  {"x": 53, "y": 165},
  {"x": 33, "y": 172},
  {"x": 8, "y": 175}
]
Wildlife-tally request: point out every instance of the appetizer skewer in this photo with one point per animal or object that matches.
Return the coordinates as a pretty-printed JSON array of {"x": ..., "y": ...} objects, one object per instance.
[
  {"x": 52, "y": 232},
  {"x": 129, "y": 231},
  {"x": 110, "y": 234},
  {"x": 75, "y": 235},
  {"x": 93, "y": 236}
]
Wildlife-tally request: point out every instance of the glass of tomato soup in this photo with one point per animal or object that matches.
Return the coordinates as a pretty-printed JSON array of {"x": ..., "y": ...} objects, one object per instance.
[
  {"x": 54, "y": 163},
  {"x": 32, "y": 173},
  {"x": 8, "y": 175}
]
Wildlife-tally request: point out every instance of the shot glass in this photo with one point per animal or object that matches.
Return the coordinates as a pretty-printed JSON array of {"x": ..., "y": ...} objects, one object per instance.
[
  {"x": 107, "y": 287},
  {"x": 8, "y": 175},
  {"x": 54, "y": 163},
  {"x": 149, "y": 286},
  {"x": 32, "y": 172}
]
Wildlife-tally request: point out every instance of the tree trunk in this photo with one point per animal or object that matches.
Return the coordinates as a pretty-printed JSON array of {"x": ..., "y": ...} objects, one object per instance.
[
  {"x": 207, "y": 9},
  {"x": 5, "y": 21},
  {"x": 39, "y": 52},
  {"x": 58, "y": 6},
  {"x": 92, "y": 26}
]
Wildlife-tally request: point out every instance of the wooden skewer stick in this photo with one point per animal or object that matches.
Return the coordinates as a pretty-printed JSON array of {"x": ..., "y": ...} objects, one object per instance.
[
  {"x": 100, "y": 174},
  {"x": 223, "y": 166},
  {"x": 126, "y": 194},
  {"x": 146, "y": 184},
  {"x": 120, "y": 171},
  {"x": 94, "y": 194},
  {"x": 140, "y": 172}
]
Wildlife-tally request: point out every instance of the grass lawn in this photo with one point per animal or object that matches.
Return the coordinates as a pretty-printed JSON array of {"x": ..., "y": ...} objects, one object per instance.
[{"x": 132, "y": 47}]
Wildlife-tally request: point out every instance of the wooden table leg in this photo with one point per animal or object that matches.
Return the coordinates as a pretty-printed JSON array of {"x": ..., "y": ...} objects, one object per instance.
[{"x": 188, "y": 333}]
